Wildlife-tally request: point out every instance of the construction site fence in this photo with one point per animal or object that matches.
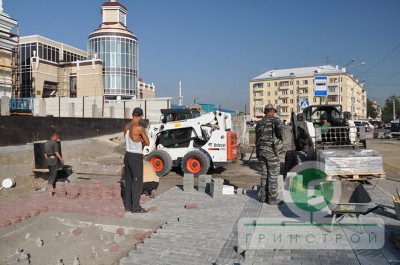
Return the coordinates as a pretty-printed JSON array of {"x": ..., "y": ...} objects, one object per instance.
[{"x": 85, "y": 107}]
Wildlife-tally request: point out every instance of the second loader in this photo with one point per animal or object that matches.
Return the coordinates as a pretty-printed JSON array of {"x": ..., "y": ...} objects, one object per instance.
[
  {"x": 341, "y": 146},
  {"x": 196, "y": 144}
]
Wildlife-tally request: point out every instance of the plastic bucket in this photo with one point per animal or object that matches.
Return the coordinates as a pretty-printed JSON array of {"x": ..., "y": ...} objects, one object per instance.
[{"x": 8, "y": 183}]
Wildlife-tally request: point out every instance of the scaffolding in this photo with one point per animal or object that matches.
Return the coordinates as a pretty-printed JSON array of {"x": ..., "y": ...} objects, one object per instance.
[
  {"x": 63, "y": 75},
  {"x": 10, "y": 68}
]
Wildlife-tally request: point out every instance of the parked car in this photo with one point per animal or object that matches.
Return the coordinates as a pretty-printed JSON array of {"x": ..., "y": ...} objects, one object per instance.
[
  {"x": 377, "y": 124},
  {"x": 365, "y": 124},
  {"x": 395, "y": 129},
  {"x": 369, "y": 125}
]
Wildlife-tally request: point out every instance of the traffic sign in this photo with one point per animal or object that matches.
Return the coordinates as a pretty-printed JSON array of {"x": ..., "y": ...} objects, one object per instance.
[
  {"x": 304, "y": 104},
  {"x": 320, "y": 86}
]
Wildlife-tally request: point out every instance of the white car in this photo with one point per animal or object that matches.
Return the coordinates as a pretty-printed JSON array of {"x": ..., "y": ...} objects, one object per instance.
[{"x": 368, "y": 126}]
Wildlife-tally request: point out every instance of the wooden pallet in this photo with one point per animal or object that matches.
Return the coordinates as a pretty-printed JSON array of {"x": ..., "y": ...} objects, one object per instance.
[{"x": 358, "y": 175}]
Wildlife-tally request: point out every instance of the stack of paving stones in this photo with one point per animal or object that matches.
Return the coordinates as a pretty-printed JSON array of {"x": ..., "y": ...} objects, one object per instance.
[
  {"x": 357, "y": 161},
  {"x": 204, "y": 183},
  {"x": 216, "y": 187},
  {"x": 188, "y": 182},
  {"x": 86, "y": 199}
]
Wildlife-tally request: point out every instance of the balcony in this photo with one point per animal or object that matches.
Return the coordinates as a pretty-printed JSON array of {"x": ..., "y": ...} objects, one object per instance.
[
  {"x": 257, "y": 89},
  {"x": 284, "y": 87}
]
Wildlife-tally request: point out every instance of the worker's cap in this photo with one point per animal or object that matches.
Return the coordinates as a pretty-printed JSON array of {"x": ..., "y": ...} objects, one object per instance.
[
  {"x": 324, "y": 116},
  {"x": 268, "y": 107},
  {"x": 137, "y": 112}
]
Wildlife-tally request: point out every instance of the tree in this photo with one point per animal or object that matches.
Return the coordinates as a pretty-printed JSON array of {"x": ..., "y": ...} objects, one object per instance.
[
  {"x": 371, "y": 111},
  {"x": 387, "y": 111}
]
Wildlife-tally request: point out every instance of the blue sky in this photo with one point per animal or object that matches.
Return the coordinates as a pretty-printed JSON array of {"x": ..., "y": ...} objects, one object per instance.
[{"x": 216, "y": 46}]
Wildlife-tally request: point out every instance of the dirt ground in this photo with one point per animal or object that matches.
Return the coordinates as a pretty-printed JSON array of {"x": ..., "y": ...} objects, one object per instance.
[{"x": 53, "y": 236}]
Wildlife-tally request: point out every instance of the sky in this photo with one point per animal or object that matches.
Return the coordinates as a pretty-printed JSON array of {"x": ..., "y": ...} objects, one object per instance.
[{"x": 215, "y": 47}]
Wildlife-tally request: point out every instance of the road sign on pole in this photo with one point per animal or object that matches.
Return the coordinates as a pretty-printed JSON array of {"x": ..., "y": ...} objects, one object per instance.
[
  {"x": 304, "y": 104},
  {"x": 320, "y": 86}
]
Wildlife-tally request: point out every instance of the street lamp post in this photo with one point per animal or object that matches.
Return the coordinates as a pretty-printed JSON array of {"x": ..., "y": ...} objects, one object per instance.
[{"x": 394, "y": 107}]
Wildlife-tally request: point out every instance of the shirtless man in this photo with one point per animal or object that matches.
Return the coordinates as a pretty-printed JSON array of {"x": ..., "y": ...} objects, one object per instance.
[{"x": 135, "y": 137}]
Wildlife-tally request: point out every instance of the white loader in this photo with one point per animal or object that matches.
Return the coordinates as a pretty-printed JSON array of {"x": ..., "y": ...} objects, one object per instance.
[{"x": 196, "y": 144}]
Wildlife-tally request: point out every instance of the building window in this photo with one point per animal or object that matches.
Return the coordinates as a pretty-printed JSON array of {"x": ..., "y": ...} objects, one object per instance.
[
  {"x": 291, "y": 101},
  {"x": 305, "y": 82},
  {"x": 275, "y": 83},
  {"x": 268, "y": 85},
  {"x": 332, "y": 89},
  {"x": 284, "y": 92},
  {"x": 268, "y": 93},
  {"x": 297, "y": 82},
  {"x": 72, "y": 87},
  {"x": 258, "y": 85},
  {"x": 276, "y": 93}
]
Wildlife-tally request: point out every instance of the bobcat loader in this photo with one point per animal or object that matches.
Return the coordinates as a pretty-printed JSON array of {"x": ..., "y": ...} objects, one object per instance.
[{"x": 196, "y": 145}]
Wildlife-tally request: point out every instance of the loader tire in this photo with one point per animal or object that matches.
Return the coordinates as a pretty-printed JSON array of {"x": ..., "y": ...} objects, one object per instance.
[
  {"x": 161, "y": 162},
  {"x": 195, "y": 162},
  {"x": 292, "y": 159},
  {"x": 290, "y": 162}
]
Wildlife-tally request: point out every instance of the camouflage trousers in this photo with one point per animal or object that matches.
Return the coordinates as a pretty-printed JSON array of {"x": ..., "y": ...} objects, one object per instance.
[{"x": 270, "y": 166}]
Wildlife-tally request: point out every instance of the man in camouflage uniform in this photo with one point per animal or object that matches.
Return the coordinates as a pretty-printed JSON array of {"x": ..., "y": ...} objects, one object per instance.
[{"x": 269, "y": 144}]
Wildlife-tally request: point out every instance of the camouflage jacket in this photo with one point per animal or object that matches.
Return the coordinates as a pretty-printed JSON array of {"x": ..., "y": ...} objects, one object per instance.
[{"x": 268, "y": 131}]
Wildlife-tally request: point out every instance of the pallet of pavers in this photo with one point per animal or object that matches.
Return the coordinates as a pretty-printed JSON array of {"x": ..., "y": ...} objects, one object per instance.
[{"x": 351, "y": 164}]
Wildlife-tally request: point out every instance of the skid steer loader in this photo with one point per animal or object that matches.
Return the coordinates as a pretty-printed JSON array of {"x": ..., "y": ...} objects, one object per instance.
[
  {"x": 309, "y": 138},
  {"x": 196, "y": 145}
]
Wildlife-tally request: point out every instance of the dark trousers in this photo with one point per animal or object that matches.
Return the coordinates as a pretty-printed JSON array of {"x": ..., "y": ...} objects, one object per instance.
[
  {"x": 52, "y": 175},
  {"x": 133, "y": 180}
]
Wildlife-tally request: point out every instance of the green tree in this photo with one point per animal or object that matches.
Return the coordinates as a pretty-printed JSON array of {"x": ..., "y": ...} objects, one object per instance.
[
  {"x": 387, "y": 111},
  {"x": 371, "y": 111}
]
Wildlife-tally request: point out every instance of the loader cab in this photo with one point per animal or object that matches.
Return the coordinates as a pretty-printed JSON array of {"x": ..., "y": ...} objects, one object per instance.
[
  {"x": 333, "y": 112},
  {"x": 178, "y": 114}
]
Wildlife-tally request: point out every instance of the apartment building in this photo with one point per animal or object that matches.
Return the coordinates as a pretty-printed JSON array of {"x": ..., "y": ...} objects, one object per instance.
[{"x": 290, "y": 90}]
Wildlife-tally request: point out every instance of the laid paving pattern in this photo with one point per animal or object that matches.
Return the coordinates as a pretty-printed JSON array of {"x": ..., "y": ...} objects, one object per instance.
[
  {"x": 200, "y": 228},
  {"x": 208, "y": 232},
  {"x": 92, "y": 198}
]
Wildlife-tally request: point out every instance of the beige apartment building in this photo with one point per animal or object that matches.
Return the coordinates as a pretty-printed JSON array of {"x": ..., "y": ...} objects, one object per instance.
[{"x": 290, "y": 90}]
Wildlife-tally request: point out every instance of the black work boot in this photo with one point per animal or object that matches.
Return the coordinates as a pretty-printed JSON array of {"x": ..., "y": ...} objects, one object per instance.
[{"x": 274, "y": 202}]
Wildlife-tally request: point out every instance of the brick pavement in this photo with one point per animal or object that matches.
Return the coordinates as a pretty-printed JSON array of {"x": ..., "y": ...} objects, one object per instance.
[
  {"x": 208, "y": 233},
  {"x": 92, "y": 198},
  {"x": 205, "y": 234}
]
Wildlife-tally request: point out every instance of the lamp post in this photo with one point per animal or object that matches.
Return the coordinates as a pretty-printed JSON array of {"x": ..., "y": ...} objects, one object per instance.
[{"x": 394, "y": 107}]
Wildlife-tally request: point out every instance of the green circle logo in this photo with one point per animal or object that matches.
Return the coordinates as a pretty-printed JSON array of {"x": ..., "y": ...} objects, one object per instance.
[{"x": 310, "y": 192}]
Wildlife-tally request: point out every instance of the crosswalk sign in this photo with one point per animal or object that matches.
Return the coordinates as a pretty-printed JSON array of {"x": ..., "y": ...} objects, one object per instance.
[{"x": 304, "y": 104}]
